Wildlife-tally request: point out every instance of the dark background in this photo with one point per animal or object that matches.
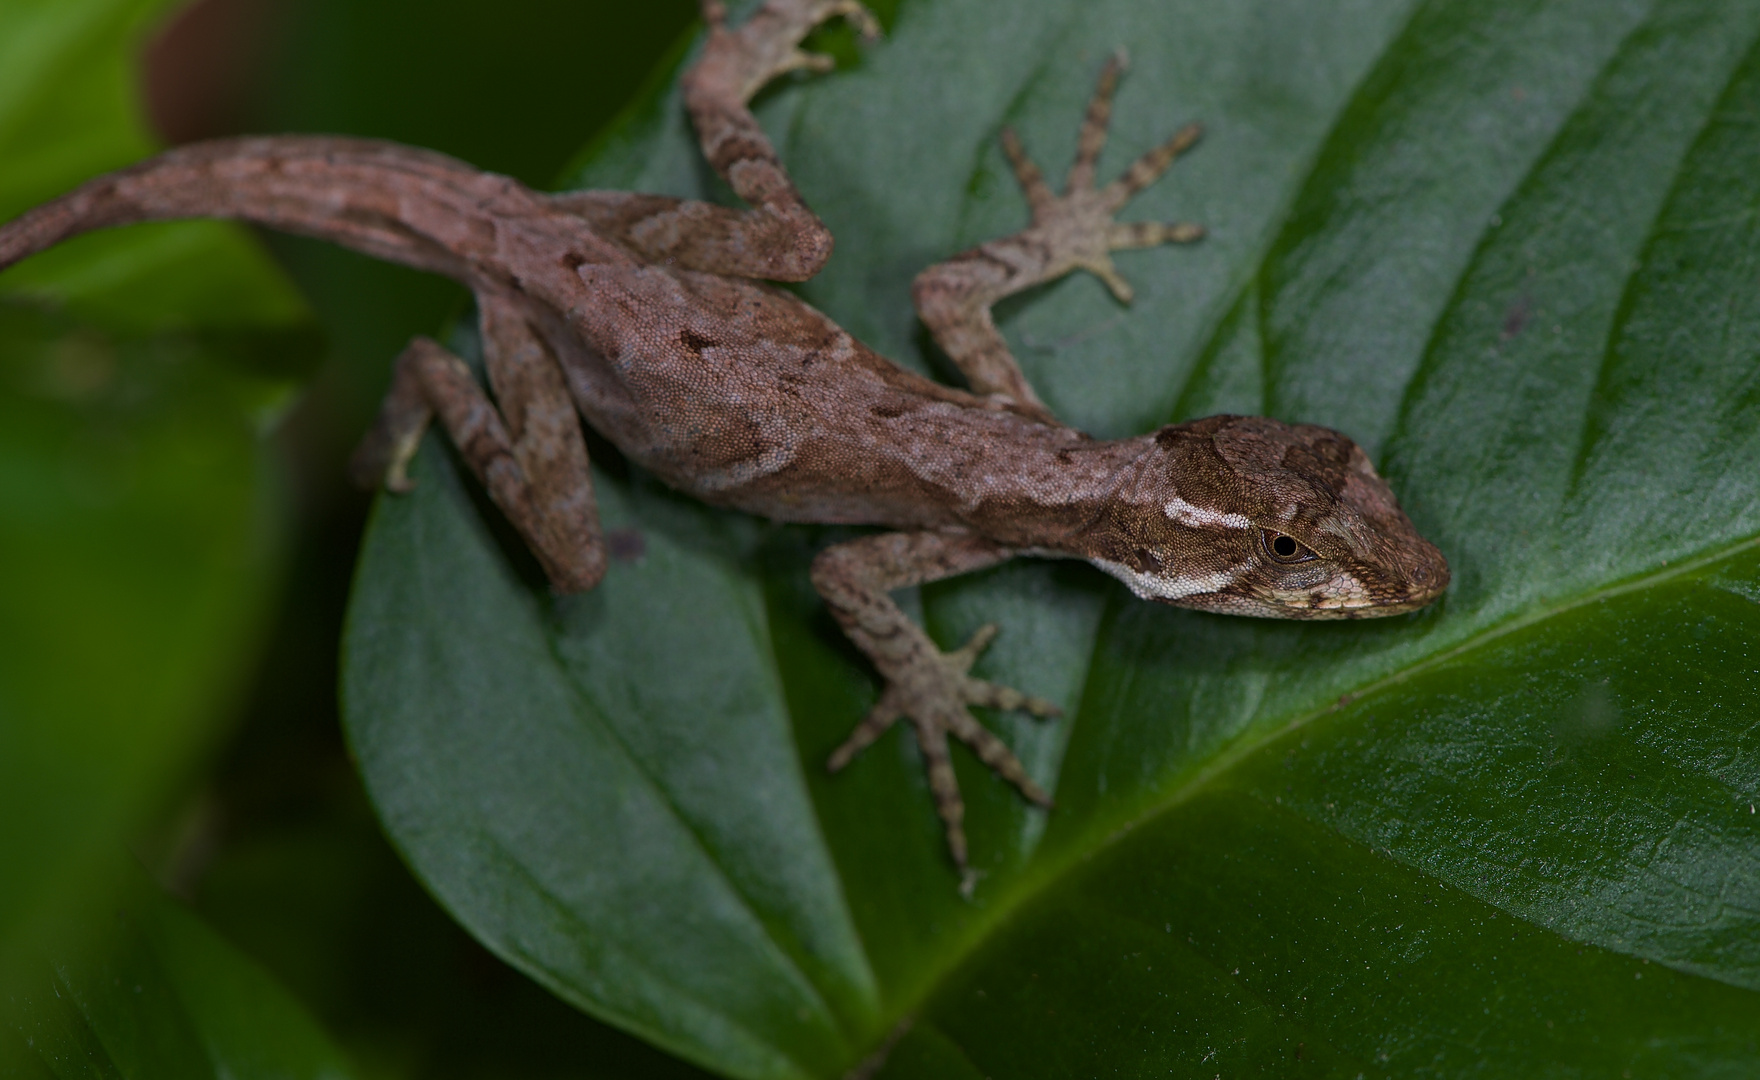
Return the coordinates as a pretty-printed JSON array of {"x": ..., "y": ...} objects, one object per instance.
[{"x": 277, "y": 846}]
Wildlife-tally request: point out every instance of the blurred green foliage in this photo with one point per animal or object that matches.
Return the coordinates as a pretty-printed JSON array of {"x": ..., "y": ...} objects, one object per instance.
[
  {"x": 145, "y": 521},
  {"x": 155, "y": 993},
  {"x": 163, "y": 486}
]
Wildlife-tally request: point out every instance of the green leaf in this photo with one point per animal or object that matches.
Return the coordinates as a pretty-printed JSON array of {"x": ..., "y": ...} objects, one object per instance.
[
  {"x": 158, "y": 994},
  {"x": 1509, "y": 245},
  {"x": 139, "y": 545}
]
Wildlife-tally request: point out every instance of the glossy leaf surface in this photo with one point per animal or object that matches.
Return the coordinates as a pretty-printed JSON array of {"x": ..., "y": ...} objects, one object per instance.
[
  {"x": 138, "y": 371},
  {"x": 1508, "y": 246}
]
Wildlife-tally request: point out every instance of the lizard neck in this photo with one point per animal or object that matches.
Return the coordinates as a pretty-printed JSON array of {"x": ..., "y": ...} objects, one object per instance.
[{"x": 1048, "y": 488}]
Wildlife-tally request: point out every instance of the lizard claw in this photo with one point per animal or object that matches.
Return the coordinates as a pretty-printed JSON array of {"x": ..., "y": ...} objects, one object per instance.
[
  {"x": 818, "y": 63},
  {"x": 858, "y": 16},
  {"x": 968, "y": 882},
  {"x": 963, "y": 657}
]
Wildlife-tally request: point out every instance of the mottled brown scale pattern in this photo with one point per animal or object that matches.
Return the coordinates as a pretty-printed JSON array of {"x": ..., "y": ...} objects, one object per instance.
[{"x": 649, "y": 318}]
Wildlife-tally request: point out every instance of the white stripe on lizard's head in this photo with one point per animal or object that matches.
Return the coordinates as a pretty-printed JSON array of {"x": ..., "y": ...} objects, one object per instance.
[{"x": 1198, "y": 517}]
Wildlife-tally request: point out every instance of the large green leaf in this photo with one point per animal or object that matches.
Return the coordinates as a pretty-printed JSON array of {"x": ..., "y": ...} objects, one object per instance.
[
  {"x": 138, "y": 544},
  {"x": 156, "y": 994},
  {"x": 1511, "y": 246}
]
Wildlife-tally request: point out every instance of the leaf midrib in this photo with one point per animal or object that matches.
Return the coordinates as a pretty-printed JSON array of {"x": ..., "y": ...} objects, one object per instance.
[
  {"x": 558, "y": 984},
  {"x": 698, "y": 841}
]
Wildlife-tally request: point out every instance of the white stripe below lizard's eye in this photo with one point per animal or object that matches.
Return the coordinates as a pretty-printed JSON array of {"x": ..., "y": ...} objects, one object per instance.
[
  {"x": 1199, "y": 516},
  {"x": 1170, "y": 586}
]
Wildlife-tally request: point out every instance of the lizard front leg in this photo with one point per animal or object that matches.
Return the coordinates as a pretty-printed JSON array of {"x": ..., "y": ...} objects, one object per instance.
[
  {"x": 1069, "y": 232},
  {"x": 779, "y": 238},
  {"x": 930, "y": 688},
  {"x": 529, "y": 454}
]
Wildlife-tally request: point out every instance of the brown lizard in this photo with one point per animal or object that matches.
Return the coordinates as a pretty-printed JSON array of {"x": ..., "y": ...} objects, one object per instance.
[{"x": 649, "y": 317}]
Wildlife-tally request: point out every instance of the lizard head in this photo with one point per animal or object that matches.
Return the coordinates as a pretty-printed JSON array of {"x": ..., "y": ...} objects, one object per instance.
[{"x": 1250, "y": 516}]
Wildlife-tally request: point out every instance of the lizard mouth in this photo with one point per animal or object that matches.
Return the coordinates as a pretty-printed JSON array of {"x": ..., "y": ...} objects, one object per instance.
[
  {"x": 1347, "y": 594},
  {"x": 1421, "y": 585}
]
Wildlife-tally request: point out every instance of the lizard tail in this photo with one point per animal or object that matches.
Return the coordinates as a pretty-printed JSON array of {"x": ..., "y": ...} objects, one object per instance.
[{"x": 393, "y": 202}]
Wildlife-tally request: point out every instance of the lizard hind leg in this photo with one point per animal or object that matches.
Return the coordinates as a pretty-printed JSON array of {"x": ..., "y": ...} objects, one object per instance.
[
  {"x": 931, "y": 689},
  {"x": 528, "y": 453},
  {"x": 1071, "y": 231}
]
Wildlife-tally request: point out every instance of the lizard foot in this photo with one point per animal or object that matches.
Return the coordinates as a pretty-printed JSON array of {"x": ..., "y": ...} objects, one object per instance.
[
  {"x": 933, "y": 691},
  {"x": 383, "y": 456},
  {"x": 768, "y": 45},
  {"x": 1077, "y": 227}
]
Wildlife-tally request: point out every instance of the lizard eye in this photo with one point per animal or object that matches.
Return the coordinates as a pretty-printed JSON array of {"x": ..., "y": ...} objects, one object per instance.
[{"x": 1284, "y": 548}]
